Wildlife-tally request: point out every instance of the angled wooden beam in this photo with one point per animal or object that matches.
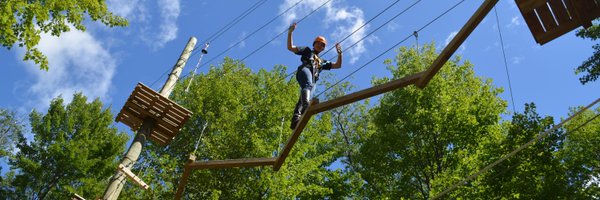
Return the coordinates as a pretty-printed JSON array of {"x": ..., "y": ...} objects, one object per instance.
[
  {"x": 288, "y": 147},
  {"x": 340, "y": 101},
  {"x": 133, "y": 177},
  {"x": 460, "y": 37},
  {"x": 230, "y": 163},
  {"x": 184, "y": 177},
  {"x": 366, "y": 93}
]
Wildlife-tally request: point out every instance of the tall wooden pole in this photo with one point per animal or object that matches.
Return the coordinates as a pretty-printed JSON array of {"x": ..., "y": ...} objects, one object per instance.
[{"x": 118, "y": 180}]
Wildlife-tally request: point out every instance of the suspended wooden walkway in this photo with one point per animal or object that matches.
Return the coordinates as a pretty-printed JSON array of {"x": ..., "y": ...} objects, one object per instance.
[
  {"x": 419, "y": 79},
  {"x": 546, "y": 19}
]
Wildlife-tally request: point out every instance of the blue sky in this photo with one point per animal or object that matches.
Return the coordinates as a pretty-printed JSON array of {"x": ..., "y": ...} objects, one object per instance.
[{"x": 107, "y": 63}]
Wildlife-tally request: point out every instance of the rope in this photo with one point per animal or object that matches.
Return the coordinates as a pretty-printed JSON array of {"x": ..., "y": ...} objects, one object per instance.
[
  {"x": 394, "y": 46},
  {"x": 356, "y": 31},
  {"x": 254, "y": 32},
  {"x": 532, "y": 141},
  {"x": 306, "y": 16},
  {"x": 505, "y": 63},
  {"x": 204, "y": 51},
  {"x": 363, "y": 25},
  {"x": 199, "y": 138},
  {"x": 234, "y": 21},
  {"x": 313, "y": 11},
  {"x": 237, "y": 22},
  {"x": 381, "y": 26},
  {"x": 221, "y": 31}
]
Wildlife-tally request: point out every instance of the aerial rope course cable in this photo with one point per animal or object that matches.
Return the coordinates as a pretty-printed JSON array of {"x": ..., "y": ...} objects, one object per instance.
[
  {"x": 393, "y": 46},
  {"x": 512, "y": 100},
  {"x": 141, "y": 112},
  {"x": 420, "y": 79},
  {"x": 220, "y": 32},
  {"x": 517, "y": 150}
]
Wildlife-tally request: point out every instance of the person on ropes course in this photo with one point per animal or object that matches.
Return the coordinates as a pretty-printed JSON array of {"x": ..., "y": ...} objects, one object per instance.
[{"x": 308, "y": 72}]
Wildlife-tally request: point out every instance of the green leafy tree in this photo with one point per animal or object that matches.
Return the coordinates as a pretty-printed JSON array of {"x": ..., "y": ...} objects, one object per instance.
[
  {"x": 10, "y": 129},
  {"x": 580, "y": 155},
  {"x": 247, "y": 115},
  {"x": 536, "y": 172},
  {"x": 426, "y": 139},
  {"x": 74, "y": 150},
  {"x": 590, "y": 68},
  {"x": 22, "y": 22}
]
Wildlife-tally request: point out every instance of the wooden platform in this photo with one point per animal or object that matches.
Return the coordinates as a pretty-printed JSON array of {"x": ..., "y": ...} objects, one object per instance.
[
  {"x": 144, "y": 103},
  {"x": 549, "y": 19}
]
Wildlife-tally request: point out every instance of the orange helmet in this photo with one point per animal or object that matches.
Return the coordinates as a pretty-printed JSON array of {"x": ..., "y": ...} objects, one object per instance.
[{"x": 320, "y": 39}]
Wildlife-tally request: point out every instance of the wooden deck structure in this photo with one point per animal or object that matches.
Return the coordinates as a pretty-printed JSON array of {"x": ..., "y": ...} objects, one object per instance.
[
  {"x": 549, "y": 19},
  {"x": 420, "y": 79},
  {"x": 168, "y": 116}
]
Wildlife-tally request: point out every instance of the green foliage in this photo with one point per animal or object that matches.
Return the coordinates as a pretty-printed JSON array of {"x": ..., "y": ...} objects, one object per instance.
[
  {"x": 10, "y": 129},
  {"x": 74, "y": 150},
  {"x": 581, "y": 155},
  {"x": 590, "y": 67},
  {"x": 424, "y": 139},
  {"x": 22, "y": 22},
  {"x": 533, "y": 173},
  {"x": 247, "y": 115}
]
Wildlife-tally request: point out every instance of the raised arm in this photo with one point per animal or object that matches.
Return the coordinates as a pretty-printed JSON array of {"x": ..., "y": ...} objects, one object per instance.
[
  {"x": 290, "y": 42},
  {"x": 338, "y": 63}
]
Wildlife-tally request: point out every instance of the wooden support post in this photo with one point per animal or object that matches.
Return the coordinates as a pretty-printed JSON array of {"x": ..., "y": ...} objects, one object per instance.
[
  {"x": 118, "y": 180},
  {"x": 460, "y": 37},
  {"x": 132, "y": 176},
  {"x": 184, "y": 177}
]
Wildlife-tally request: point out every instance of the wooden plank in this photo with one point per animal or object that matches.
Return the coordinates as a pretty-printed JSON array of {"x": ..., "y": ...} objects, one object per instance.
[
  {"x": 130, "y": 174},
  {"x": 145, "y": 113},
  {"x": 554, "y": 33},
  {"x": 460, "y": 37},
  {"x": 157, "y": 140},
  {"x": 529, "y": 5},
  {"x": 132, "y": 122},
  {"x": 560, "y": 12},
  {"x": 366, "y": 93},
  {"x": 587, "y": 11},
  {"x": 231, "y": 163},
  {"x": 546, "y": 17},
  {"x": 340, "y": 101},
  {"x": 160, "y": 137},
  {"x": 165, "y": 130},
  {"x": 184, "y": 178},
  {"x": 534, "y": 25},
  {"x": 288, "y": 147}
]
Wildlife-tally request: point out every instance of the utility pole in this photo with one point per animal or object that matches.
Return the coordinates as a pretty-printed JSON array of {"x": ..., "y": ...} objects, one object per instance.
[{"x": 118, "y": 180}]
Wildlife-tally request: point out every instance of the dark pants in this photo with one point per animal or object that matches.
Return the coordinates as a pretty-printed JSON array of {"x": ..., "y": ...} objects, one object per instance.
[{"x": 305, "y": 80}]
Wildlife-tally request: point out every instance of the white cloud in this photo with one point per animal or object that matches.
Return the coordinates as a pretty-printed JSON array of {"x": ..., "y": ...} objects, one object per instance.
[
  {"x": 77, "y": 63},
  {"x": 450, "y": 37},
  {"x": 241, "y": 44},
  {"x": 346, "y": 20},
  {"x": 392, "y": 26},
  {"x": 136, "y": 12},
  {"x": 132, "y": 10},
  {"x": 514, "y": 22},
  {"x": 169, "y": 11},
  {"x": 516, "y": 60}
]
